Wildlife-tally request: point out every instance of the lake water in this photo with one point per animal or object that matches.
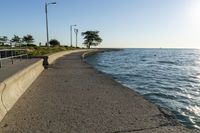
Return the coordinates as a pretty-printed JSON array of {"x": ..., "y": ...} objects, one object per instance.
[{"x": 169, "y": 78}]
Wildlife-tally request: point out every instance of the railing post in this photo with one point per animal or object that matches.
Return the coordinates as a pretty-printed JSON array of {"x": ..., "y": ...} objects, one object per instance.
[
  {"x": 5, "y": 54},
  {"x": 11, "y": 52},
  {"x": 20, "y": 53},
  {"x": 12, "y": 56},
  {"x": 27, "y": 53},
  {"x": 0, "y": 60}
]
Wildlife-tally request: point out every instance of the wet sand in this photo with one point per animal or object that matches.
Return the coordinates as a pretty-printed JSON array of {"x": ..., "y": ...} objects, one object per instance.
[{"x": 72, "y": 97}]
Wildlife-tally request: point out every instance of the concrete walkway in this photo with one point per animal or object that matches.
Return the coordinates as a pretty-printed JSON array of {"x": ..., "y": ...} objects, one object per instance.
[
  {"x": 72, "y": 97},
  {"x": 8, "y": 69}
]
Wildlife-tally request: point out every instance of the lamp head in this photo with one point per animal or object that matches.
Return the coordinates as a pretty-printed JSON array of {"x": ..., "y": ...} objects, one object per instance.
[
  {"x": 76, "y": 30},
  {"x": 54, "y": 3}
]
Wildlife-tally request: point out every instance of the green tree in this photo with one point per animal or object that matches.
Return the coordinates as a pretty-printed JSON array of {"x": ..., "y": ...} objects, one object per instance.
[
  {"x": 28, "y": 39},
  {"x": 16, "y": 39},
  {"x": 3, "y": 40},
  {"x": 54, "y": 42},
  {"x": 91, "y": 38}
]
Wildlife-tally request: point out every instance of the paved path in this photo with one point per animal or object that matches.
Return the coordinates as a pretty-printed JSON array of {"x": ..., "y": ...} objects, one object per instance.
[
  {"x": 71, "y": 97},
  {"x": 8, "y": 69}
]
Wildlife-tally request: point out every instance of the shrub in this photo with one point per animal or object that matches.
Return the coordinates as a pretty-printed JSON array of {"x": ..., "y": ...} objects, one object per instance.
[{"x": 54, "y": 42}]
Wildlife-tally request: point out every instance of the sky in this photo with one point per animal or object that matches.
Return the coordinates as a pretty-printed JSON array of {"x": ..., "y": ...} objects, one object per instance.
[{"x": 122, "y": 23}]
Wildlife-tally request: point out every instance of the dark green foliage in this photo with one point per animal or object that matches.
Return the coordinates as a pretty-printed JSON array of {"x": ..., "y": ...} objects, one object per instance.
[
  {"x": 91, "y": 38},
  {"x": 3, "y": 40},
  {"x": 32, "y": 45},
  {"x": 16, "y": 39},
  {"x": 29, "y": 45},
  {"x": 54, "y": 42},
  {"x": 28, "y": 39}
]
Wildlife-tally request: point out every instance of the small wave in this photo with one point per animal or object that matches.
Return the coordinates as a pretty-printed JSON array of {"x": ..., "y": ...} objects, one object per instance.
[
  {"x": 160, "y": 95},
  {"x": 167, "y": 62},
  {"x": 183, "y": 101},
  {"x": 125, "y": 54},
  {"x": 102, "y": 65}
]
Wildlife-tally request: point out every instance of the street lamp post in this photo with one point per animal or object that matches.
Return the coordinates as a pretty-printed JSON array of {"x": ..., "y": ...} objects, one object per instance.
[
  {"x": 46, "y": 12},
  {"x": 71, "y": 26},
  {"x": 76, "y": 33}
]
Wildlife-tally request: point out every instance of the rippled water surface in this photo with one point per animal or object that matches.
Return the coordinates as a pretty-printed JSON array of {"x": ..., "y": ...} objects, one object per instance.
[{"x": 167, "y": 77}]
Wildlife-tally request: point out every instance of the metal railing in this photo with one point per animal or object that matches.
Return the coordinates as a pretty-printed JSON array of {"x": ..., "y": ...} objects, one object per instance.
[{"x": 11, "y": 54}]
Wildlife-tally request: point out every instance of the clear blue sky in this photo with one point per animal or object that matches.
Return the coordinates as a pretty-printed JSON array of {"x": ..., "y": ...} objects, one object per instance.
[{"x": 122, "y": 23}]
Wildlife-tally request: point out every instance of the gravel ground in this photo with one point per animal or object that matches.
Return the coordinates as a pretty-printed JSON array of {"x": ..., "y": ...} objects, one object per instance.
[{"x": 72, "y": 97}]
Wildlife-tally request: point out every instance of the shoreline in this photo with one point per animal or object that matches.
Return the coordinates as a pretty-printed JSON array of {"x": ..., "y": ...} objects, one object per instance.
[
  {"x": 165, "y": 111},
  {"x": 79, "y": 98}
]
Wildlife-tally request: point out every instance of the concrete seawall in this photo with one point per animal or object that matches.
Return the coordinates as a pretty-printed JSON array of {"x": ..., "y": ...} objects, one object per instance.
[{"x": 12, "y": 88}]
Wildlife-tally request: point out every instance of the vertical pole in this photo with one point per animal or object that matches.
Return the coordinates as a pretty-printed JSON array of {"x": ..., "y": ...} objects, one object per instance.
[
  {"x": 71, "y": 35},
  {"x": 76, "y": 33},
  {"x": 26, "y": 51},
  {"x": 76, "y": 39},
  {"x": 47, "y": 29}
]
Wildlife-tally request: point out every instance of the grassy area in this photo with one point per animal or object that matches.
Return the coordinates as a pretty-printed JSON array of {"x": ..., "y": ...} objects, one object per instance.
[
  {"x": 38, "y": 51},
  {"x": 5, "y": 47}
]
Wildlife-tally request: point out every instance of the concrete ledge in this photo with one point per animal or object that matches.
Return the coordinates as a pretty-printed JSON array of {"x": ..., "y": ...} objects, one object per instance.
[
  {"x": 3, "y": 110},
  {"x": 53, "y": 57},
  {"x": 12, "y": 89},
  {"x": 18, "y": 83}
]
